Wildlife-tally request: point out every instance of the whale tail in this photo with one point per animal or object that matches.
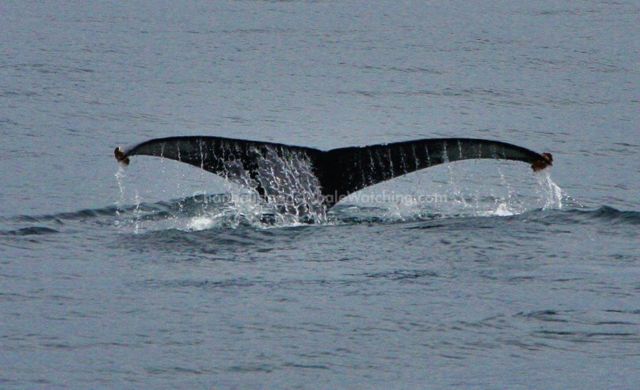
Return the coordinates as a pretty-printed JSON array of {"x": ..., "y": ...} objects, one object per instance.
[{"x": 322, "y": 178}]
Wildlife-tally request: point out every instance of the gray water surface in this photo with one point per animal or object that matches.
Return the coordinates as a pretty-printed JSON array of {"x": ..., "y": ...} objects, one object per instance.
[{"x": 144, "y": 278}]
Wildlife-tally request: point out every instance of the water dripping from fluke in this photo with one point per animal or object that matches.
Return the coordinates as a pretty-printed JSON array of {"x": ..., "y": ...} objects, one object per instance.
[
  {"x": 551, "y": 192},
  {"x": 294, "y": 184}
]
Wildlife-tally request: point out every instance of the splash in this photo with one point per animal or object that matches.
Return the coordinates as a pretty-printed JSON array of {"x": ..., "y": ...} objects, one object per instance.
[
  {"x": 136, "y": 212},
  {"x": 291, "y": 187},
  {"x": 285, "y": 192},
  {"x": 551, "y": 194},
  {"x": 282, "y": 190},
  {"x": 462, "y": 194},
  {"x": 285, "y": 188},
  {"x": 507, "y": 205},
  {"x": 120, "y": 175},
  {"x": 504, "y": 210},
  {"x": 201, "y": 223}
]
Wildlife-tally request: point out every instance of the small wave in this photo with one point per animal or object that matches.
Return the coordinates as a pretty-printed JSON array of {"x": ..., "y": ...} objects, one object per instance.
[
  {"x": 615, "y": 216},
  {"x": 202, "y": 284},
  {"x": 156, "y": 210},
  {"x": 30, "y": 231},
  {"x": 64, "y": 216},
  {"x": 581, "y": 326},
  {"x": 603, "y": 214},
  {"x": 403, "y": 275}
]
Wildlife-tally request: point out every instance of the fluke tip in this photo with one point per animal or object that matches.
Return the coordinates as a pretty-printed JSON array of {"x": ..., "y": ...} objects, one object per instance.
[
  {"x": 545, "y": 161},
  {"x": 120, "y": 156}
]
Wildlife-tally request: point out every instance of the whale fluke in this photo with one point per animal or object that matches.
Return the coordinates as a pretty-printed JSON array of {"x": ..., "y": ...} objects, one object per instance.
[{"x": 274, "y": 169}]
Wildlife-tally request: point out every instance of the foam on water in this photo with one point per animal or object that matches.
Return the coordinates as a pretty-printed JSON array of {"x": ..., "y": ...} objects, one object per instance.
[{"x": 201, "y": 223}]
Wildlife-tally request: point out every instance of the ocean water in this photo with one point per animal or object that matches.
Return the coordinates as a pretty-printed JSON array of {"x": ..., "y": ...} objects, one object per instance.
[{"x": 476, "y": 274}]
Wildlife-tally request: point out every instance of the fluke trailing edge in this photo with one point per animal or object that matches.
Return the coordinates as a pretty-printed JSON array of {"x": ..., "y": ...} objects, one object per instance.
[{"x": 275, "y": 169}]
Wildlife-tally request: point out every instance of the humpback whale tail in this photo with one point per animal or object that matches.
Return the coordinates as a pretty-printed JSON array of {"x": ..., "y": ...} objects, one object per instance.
[{"x": 322, "y": 178}]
